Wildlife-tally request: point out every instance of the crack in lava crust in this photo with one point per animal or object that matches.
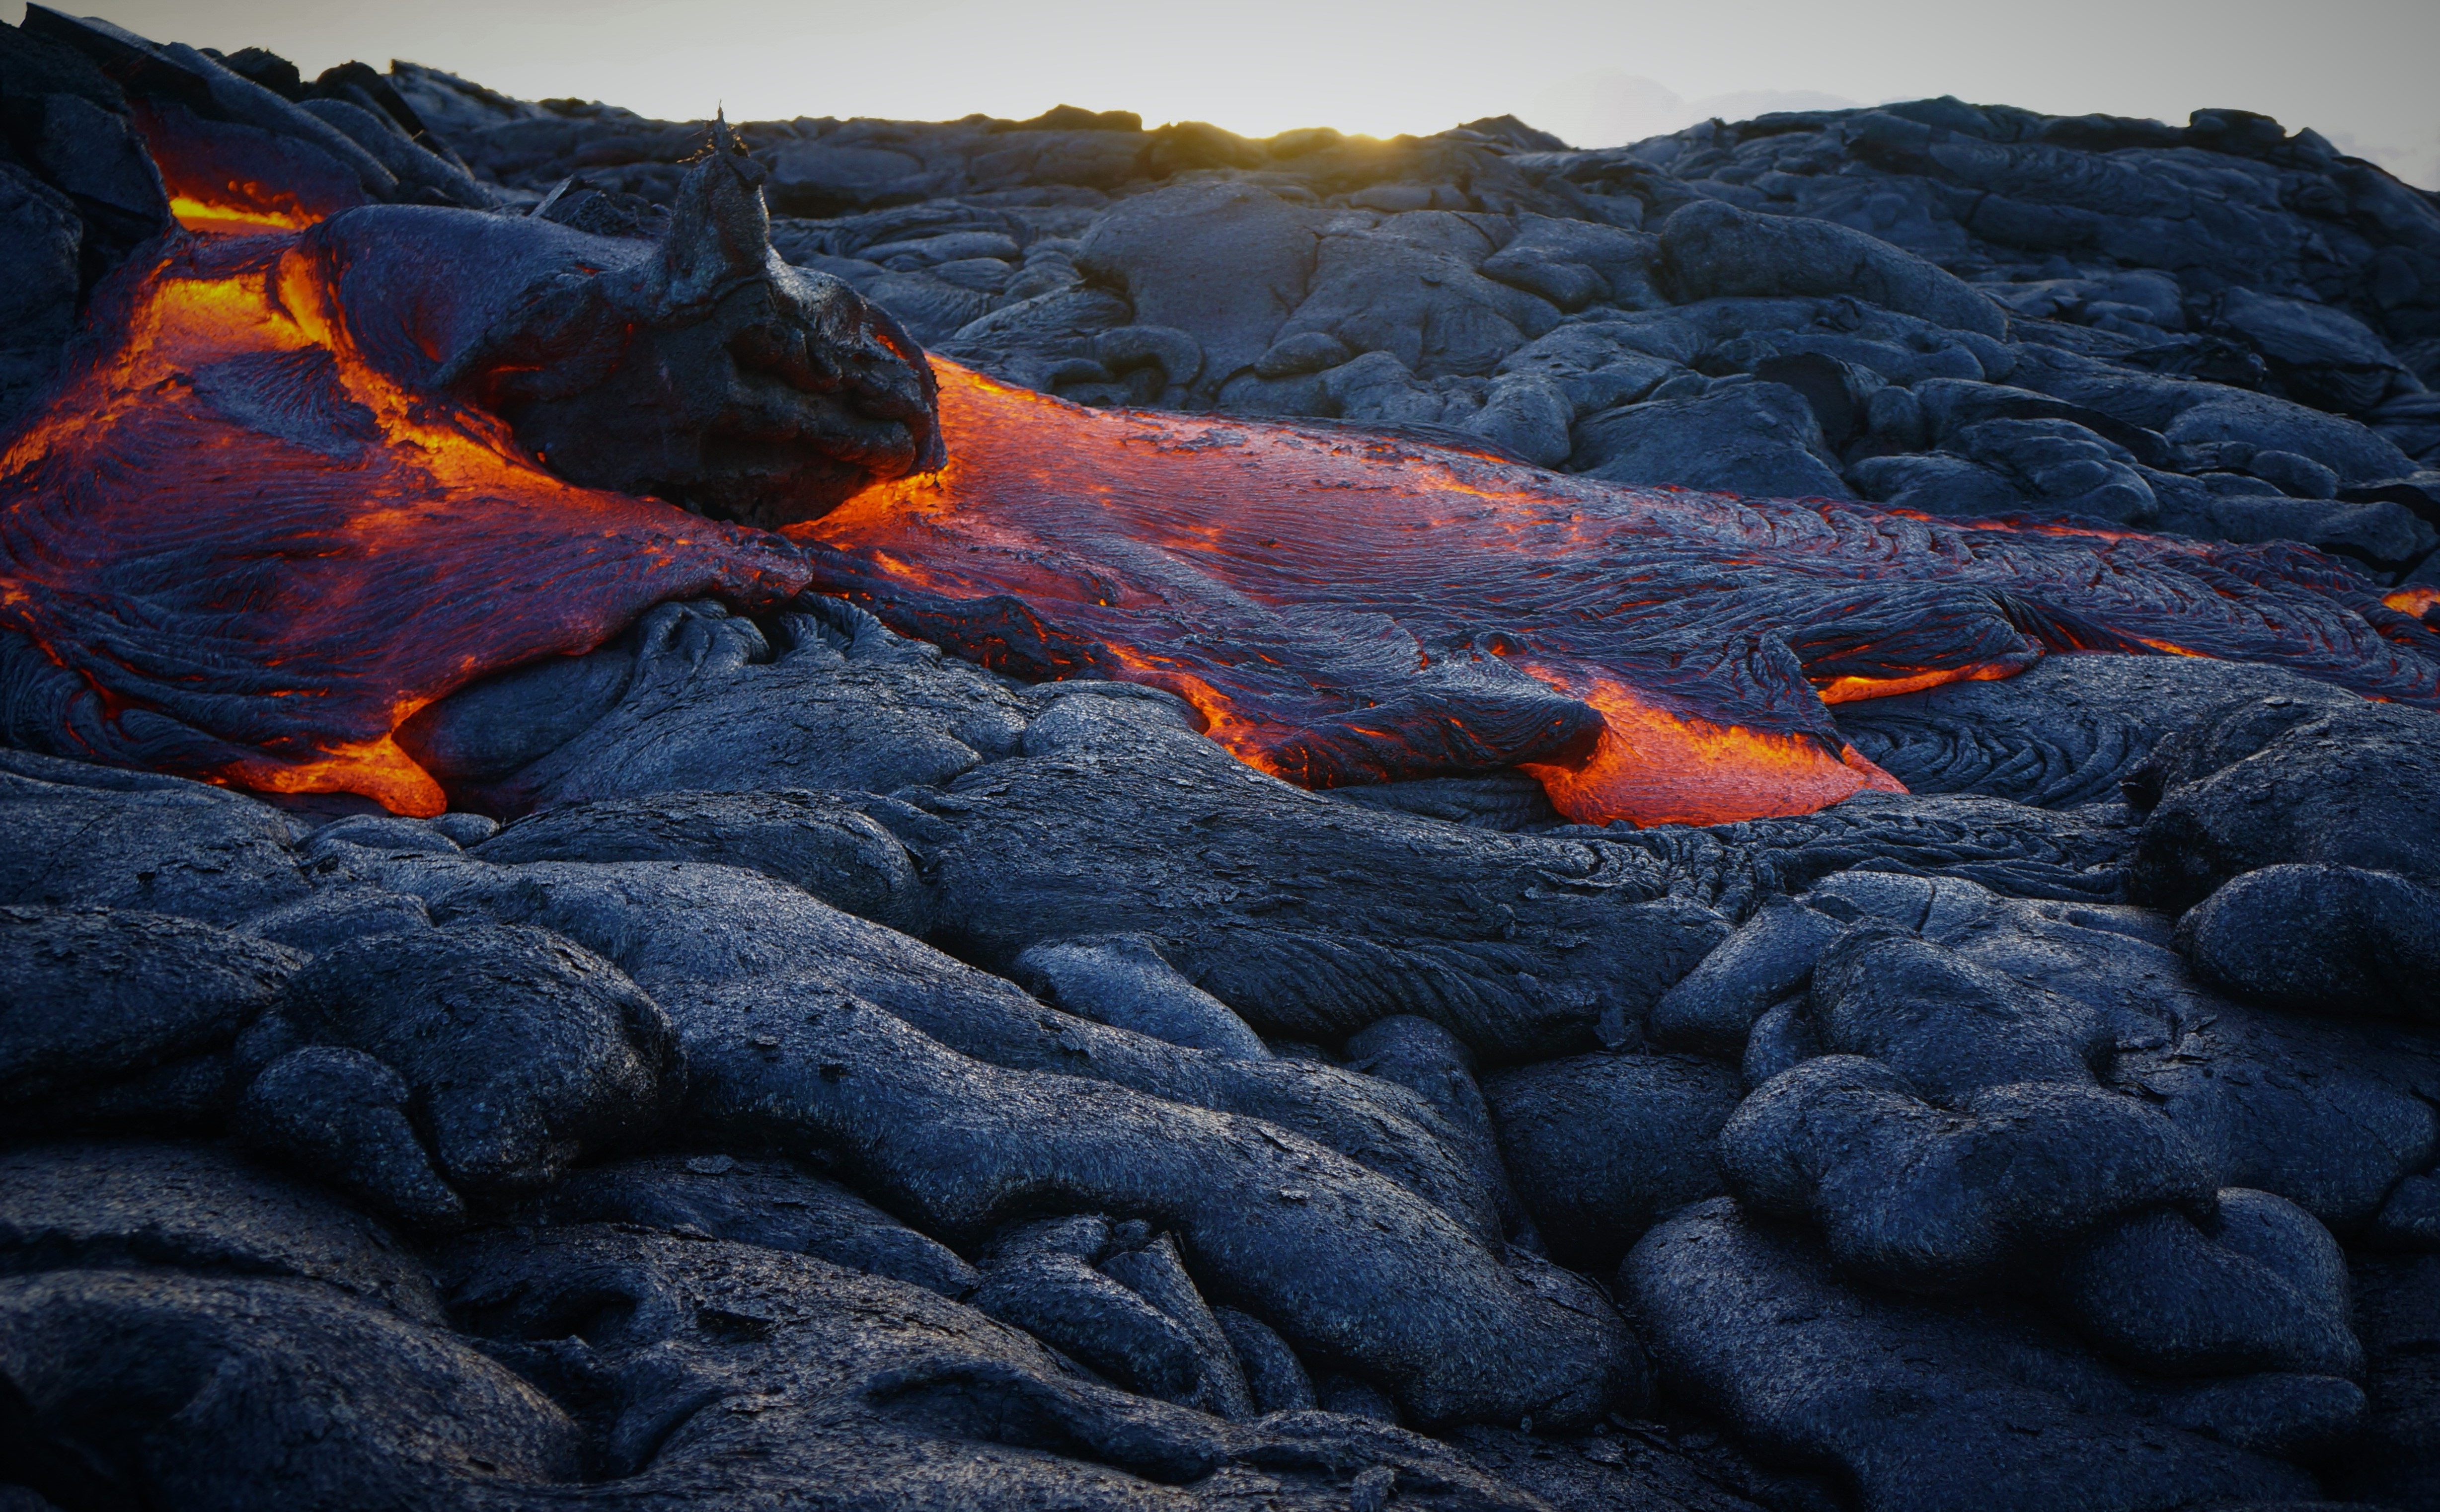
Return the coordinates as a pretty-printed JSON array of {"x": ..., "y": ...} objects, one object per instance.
[{"x": 1345, "y": 609}]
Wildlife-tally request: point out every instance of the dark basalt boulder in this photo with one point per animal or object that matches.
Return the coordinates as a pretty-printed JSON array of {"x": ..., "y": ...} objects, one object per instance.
[
  {"x": 1714, "y": 1007},
  {"x": 1299, "y": 1235},
  {"x": 521, "y": 1051},
  {"x": 693, "y": 933},
  {"x": 1126, "y": 983},
  {"x": 1601, "y": 1146},
  {"x": 770, "y": 1203},
  {"x": 713, "y": 705},
  {"x": 1927, "y": 1406},
  {"x": 2066, "y": 731},
  {"x": 2321, "y": 939},
  {"x": 2329, "y": 1114},
  {"x": 2300, "y": 838},
  {"x": 140, "y": 1206},
  {"x": 1118, "y": 819},
  {"x": 1154, "y": 1271},
  {"x": 118, "y": 1020},
  {"x": 1947, "y": 1025},
  {"x": 345, "y": 1118},
  {"x": 2258, "y": 1287},
  {"x": 1949, "y": 1200},
  {"x": 1757, "y": 436},
  {"x": 2280, "y": 779},
  {"x": 781, "y": 391},
  {"x": 738, "y": 1374},
  {"x": 2395, "y": 1459},
  {"x": 2073, "y": 857},
  {"x": 826, "y": 845},
  {"x": 1225, "y": 265},
  {"x": 216, "y": 1390},
  {"x": 1428, "y": 1061},
  {"x": 1709, "y": 249},
  {"x": 1275, "y": 1379},
  {"x": 1043, "y": 1279},
  {"x": 73, "y": 834}
]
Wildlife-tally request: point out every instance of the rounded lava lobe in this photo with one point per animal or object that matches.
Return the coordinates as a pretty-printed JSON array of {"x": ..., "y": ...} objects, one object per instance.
[{"x": 788, "y": 394}]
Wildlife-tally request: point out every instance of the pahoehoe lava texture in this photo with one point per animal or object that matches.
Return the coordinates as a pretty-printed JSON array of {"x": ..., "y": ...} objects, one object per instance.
[{"x": 804, "y": 1065}]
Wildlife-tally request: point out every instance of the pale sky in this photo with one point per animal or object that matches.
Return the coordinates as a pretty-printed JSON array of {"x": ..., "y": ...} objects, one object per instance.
[{"x": 1597, "y": 72}]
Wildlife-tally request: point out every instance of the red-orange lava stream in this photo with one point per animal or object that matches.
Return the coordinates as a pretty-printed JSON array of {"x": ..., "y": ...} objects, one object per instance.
[
  {"x": 227, "y": 516},
  {"x": 255, "y": 554},
  {"x": 1341, "y": 608}
]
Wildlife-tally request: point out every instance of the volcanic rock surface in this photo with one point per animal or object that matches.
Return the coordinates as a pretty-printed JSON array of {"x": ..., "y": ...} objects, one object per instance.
[{"x": 855, "y": 1075}]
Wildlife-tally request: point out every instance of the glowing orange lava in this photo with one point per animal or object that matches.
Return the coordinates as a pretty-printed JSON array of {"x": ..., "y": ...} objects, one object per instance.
[
  {"x": 1349, "y": 608},
  {"x": 234, "y": 215},
  {"x": 223, "y": 177},
  {"x": 2417, "y": 601},
  {"x": 254, "y": 550},
  {"x": 228, "y": 517}
]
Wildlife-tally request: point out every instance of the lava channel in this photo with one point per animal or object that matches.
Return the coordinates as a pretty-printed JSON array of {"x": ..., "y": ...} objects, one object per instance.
[
  {"x": 242, "y": 549},
  {"x": 1344, "y": 607}
]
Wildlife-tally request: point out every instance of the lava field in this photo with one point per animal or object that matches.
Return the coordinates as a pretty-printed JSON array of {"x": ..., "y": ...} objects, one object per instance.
[{"x": 1001, "y": 813}]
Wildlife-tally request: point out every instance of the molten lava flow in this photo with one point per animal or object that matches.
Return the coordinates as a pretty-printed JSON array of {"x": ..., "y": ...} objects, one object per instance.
[
  {"x": 227, "y": 178},
  {"x": 248, "y": 537},
  {"x": 257, "y": 555},
  {"x": 237, "y": 213},
  {"x": 1343, "y": 608},
  {"x": 2419, "y": 602}
]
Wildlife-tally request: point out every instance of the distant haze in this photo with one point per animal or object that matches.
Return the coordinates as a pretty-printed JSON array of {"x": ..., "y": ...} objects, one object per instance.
[{"x": 1597, "y": 72}]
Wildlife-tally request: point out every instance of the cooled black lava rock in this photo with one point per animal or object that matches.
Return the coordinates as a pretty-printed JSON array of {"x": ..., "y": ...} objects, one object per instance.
[
  {"x": 215, "y": 1391},
  {"x": 1951, "y": 1199},
  {"x": 1714, "y": 1007},
  {"x": 2287, "y": 780},
  {"x": 521, "y": 1051},
  {"x": 1709, "y": 249},
  {"x": 826, "y": 845},
  {"x": 770, "y": 1203},
  {"x": 344, "y": 1116},
  {"x": 2259, "y": 1287},
  {"x": 118, "y": 1019},
  {"x": 1924, "y": 1406},
  {"x": 1125, "y": 983},
  {"x": 709, "y": 707},
  {"x": 730, "y": 1373},
  {"x": 2065, "y": 731},
  {"x": 1601, "y": 1146},
  {"x": 2323, "y": 939},
  {"x": 2039, "y": 1196},
  {"x": 2396, "y": 1461},
  {"x": 76, "y": 834},
  {"x": 140, "y": 1206},
  {"x": 1118, "y": 819}
]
